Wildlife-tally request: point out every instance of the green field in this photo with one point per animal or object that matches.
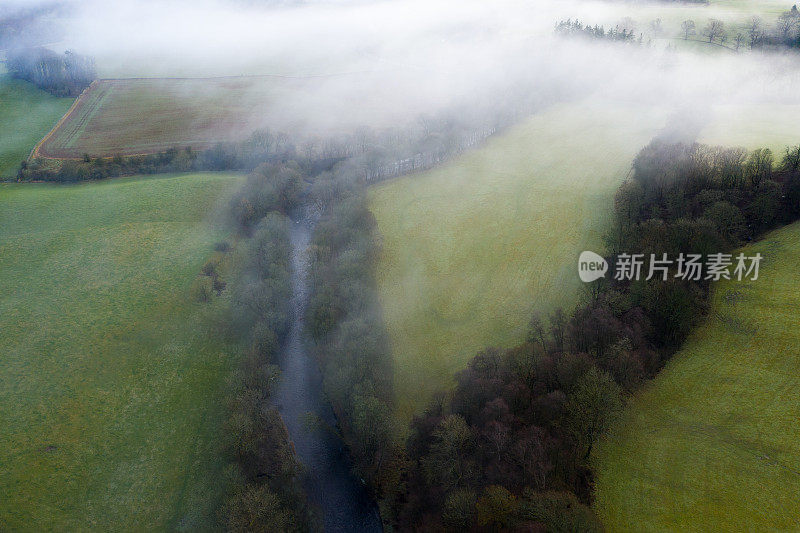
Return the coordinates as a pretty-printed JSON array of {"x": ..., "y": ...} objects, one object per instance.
[
  {"x": 754, "y": 126},
  {"x": 712, "y": 443},
  {"x": 111, "y": 378},
  {"x": 26, "y": 115},
  {"x": 472, "y": 248}
]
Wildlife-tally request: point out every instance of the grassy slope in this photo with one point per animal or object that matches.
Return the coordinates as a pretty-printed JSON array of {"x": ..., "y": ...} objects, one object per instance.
[
  {"x": 26, "y": 115},
  {"x": 711, "y": 444},
  {"x": 754, "y": 126},
  {"x": 109, "y": 387},
  {"x": 472, "y": 248}
]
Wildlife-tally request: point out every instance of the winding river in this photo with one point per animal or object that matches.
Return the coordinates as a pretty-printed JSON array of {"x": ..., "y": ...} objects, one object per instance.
[{"x": 330, "y": 486}]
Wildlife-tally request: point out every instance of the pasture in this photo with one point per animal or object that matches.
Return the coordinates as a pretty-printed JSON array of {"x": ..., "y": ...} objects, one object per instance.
[
  {"x": 26, "y": 115},
  {"x": 711, "y": 443},
  {"x": 112, "y": 376},
  {"x": 472, "y": 248},
  {"x": 773, "y": 126}
]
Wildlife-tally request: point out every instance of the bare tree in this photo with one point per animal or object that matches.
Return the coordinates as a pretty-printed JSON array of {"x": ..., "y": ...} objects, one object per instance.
[
  {"x": 738, "y": 41},
  {"x": 754, "y": 31},
  {"x": 536, "y": 331},
  {"x": 715, "y": 29},
  {"x": 558, "y": 328},
  {"x": 627, "y": 24},
  {"x": 791, "y": 161},
  {"x": 689, "y": 29},
  {"x": 759, "y": 166},
  {"x": 657, "y": 28},
  {"x": 787, "y": 25}
]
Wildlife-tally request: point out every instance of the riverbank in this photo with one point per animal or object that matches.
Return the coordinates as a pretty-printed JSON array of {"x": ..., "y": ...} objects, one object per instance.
[{"x": 340, "y": 497}]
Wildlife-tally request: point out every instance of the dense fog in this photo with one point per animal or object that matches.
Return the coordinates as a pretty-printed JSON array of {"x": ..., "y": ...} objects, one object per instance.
[{"x": 380, "y": 63}]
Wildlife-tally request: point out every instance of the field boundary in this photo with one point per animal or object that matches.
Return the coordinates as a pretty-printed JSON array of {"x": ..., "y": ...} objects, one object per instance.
[{"x": 35, "y": 152}]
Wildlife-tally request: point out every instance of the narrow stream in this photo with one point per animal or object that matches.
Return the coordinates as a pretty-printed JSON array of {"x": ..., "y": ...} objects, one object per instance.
[{"x": 342, "y": 499}]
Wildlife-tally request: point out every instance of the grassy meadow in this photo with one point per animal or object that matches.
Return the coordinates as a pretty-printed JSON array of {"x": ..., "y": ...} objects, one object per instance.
[
  {"x": 711, "y": 443},
  {"x": 472, "y": 248},
  {"x": 26, "y": 115},
  {"x": 754, "y": 126},
  {"x": 111, "y": 378}
]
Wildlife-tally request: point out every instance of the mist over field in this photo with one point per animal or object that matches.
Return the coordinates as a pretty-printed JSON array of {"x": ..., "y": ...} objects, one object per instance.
[{"x": 384, "y": 63}]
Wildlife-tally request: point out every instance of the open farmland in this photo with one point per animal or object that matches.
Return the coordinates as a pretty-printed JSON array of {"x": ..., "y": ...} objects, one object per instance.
[
  {"x": 26, "y": 115},
  {"x": 471, "y": 249},
  {"x": 111, "y": 378},
  {"x": 149, "y": 115},
  {"x": 711, "y": 443}
]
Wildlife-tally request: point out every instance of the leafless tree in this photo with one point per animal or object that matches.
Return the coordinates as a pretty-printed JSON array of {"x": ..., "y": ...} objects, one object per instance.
[
  {"x": 627, "y": 24},
  {"x": 759, "y": 166},
  {"x": 715, "y": 29},
  {"x": 754, "y": 30},
  {"x": 657, "y": 28},
  {"x": 739, "y": 41},
  {"x": 791, "y": 159},
  {"x": 689, "y": 29},
  {"x": 787, "y": 25}
]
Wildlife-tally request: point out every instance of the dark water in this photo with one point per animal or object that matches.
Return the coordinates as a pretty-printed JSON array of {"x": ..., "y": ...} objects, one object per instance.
[{"x": 339, "y": 496}]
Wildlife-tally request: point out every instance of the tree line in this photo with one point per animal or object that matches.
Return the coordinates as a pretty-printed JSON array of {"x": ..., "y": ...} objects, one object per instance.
[
  {"x": 343, "y": 317},
  {"x": 575, "y": 28},
  {"x": 510, "y": 446},
  {"x": 757, "y": 34},
  {"x": 784, "y": 32},
  {"x": 245, "y": 155},
  {"x": 264, "y": 491},
  {"x": 66, "y": 74},
  {"x": 345, "y": 321},
  {"x": 376, "y": 154}
]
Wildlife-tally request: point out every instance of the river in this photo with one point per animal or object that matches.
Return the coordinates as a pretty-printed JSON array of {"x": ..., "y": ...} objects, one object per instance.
[{"x": 330, "y": 486}]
